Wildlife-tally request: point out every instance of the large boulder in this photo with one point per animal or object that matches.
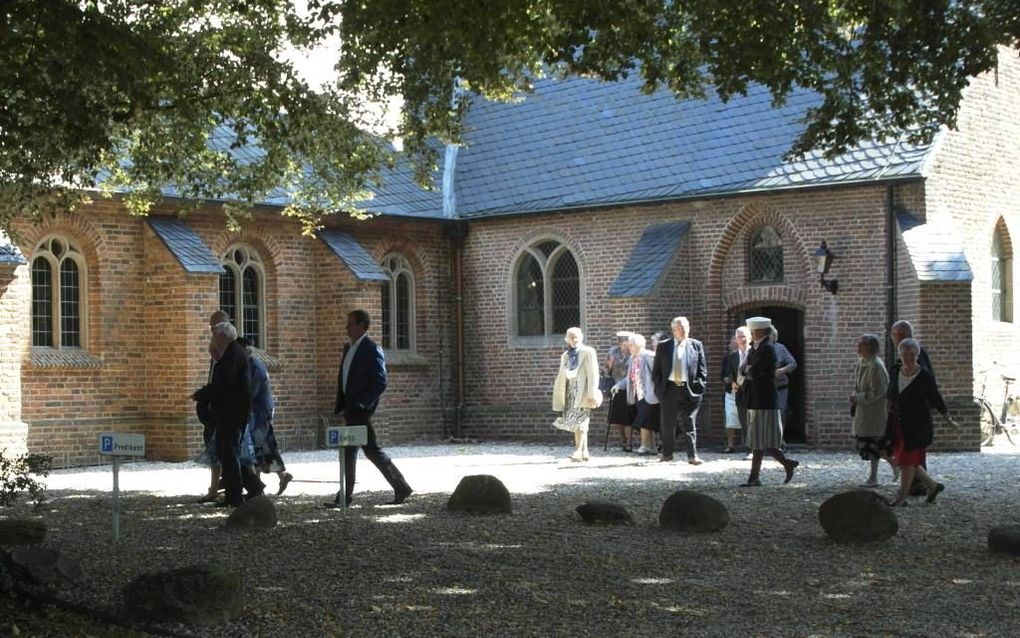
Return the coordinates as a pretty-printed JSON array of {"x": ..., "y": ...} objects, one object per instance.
[
  {"x": 1004, "y": 539},
  {"x": 199, "y": 594},
  {"x": 480, "y": 494},
  {"x": 21, "y": 531},
  {"x": 858, "y": 516},
  {"x": 258, "y": 512},
  {"x": 44, "y": 566},
  {"x": 687, "y": 511},
  {"x": 602, "y": 513}
]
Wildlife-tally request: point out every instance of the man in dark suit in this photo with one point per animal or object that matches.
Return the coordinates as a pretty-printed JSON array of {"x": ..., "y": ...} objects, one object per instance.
[
  {"x": 226, "y": 400},
  {"x": 360, "y": 383},
  {"x": 680, "y": 374}
]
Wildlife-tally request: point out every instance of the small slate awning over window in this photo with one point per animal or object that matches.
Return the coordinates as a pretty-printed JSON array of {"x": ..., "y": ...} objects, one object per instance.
[
  {"x": 936, "y": 251},
  {"x": 353, "y": 255},
  {"x": 184, "y": 244},
  {"x": 649, "y": 260},
  {"x": 9, "y": 253}
]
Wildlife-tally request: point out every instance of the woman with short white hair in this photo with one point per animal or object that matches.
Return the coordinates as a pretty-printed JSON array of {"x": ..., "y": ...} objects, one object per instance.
[
  {"x": 576, "y": 391},
  {"x": 867, "y": 407},
  {"x": 913, "y": 393},
  {"x": 639, "y": 390}
]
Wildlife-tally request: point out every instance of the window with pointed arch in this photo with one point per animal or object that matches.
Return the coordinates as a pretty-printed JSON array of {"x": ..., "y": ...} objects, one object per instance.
[
  {"x": 546, "y": 290},
  {"x": 398, "y": 316},
  {"x": 765, "y": 256},
  {"x": 1002, "y": 274},
  {"x": 58, "y": 294},
  {"x": 242, "y": 292}
]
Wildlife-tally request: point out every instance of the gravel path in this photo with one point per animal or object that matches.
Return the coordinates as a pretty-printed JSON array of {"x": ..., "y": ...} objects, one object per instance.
[{"x": 415, "y": 570}]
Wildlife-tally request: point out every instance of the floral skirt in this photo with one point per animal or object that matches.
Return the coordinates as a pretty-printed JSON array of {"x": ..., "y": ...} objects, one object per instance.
[{"x": 573, "y": 419}]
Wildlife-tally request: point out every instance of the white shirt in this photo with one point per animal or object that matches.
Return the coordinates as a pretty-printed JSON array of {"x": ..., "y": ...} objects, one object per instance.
[
  {"x": 679, "y": 374},
  {"x": 346, "y": 367},
  {"x": 743, "y": 360}
]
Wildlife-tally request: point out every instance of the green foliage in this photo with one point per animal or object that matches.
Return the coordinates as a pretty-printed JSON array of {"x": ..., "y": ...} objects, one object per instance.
[
  {"x": 85, "y": 84},
  {"x": 17, "y": 476}
]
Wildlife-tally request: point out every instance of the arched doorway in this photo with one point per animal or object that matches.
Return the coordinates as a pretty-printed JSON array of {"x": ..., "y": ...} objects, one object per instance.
[{"x": 790, "y": 324}]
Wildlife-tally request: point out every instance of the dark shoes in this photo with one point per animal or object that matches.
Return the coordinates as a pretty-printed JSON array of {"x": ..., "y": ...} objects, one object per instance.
[
  {"x": 401, "y": 496},
  {"x": 751, "y": 483},
  {"x": 335, "y": 503},
  {"x": 285, "y": 480},
  {"x": 728, "y": 450},
  {"x": 694, "y": 461},
  {"x": 932, "y": 495},
  {"x": 665, "y": 459},
  {"x": 790, "y": 467},
  {"x": 210, "y": 497}
]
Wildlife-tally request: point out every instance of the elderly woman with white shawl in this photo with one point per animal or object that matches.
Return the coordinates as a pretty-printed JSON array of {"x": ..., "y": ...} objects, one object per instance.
[{"x": 576, "y": 391}]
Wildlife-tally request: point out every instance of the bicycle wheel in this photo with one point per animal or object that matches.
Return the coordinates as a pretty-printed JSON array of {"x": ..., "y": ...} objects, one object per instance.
[{"x": 990, "y": 425}]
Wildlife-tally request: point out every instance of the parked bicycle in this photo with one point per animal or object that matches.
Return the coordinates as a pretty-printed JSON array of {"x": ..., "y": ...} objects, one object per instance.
[{"x": 1007, "y": 421}]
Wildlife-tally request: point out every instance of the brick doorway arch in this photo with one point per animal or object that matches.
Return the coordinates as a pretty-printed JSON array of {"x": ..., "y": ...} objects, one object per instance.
[{"x": 789, "y": 321}]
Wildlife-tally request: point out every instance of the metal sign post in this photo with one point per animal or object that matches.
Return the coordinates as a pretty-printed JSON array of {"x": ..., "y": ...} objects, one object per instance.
[
  {"x": 118, "y": 445},
  {"x": 342, "y": 438}
]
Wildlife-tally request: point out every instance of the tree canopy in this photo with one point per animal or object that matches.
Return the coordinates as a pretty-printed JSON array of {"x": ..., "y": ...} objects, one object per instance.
[{"x": 85, "y": 85}]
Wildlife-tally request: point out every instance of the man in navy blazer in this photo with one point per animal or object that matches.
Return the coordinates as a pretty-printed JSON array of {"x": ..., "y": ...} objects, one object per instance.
[
  {"x": 360, "y": 383},
  {"x": 680, "y": 374}
]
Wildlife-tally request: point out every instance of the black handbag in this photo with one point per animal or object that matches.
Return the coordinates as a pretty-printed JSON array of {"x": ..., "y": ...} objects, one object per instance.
[{"x": 606, "y": 384}]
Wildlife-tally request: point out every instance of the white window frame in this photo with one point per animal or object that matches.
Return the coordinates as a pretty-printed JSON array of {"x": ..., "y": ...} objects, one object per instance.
[
  {"x": 252, "y": 260},
  {"x": 43, "y": 250},
  {"x": 395, "y": 265}
]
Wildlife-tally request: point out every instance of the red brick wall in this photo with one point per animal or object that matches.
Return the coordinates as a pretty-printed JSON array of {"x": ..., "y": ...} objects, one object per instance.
[
  {"x": 973, "y": 184},
  {"x": 148, "y": 326}
]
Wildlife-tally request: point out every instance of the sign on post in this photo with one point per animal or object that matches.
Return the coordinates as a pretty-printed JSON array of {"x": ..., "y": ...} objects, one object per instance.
[
  {"x": 340, "y": 438},
  {"x": 118, "y": 444}
]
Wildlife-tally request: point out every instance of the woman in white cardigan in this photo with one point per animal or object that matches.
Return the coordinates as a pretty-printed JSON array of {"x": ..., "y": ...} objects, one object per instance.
[
  {"x": 867, "y": 405},
  {"x": 576, "y": 391}
]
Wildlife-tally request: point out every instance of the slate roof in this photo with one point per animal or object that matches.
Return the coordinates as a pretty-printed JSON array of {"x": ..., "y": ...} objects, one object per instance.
[
  {"x": 9, "y": 253},
  {"x": 935, "y": 250},
  {"x": 580, "y": 142},
  {"x": 649, "y": 259},
  {"x": 184, "y": 244},
  {"x": 353, "y": 255}
]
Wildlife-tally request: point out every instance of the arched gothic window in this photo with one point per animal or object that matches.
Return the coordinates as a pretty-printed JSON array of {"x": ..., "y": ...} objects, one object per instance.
[
  {"x": 547, "y": 290},
  {"x": 58, "y": 294},
  {"x": 1002, "y": 274},
  {"x": 242, "y": 293},
  {"x": 765, "y": 258},
  {"x": 398, "y": 304}
]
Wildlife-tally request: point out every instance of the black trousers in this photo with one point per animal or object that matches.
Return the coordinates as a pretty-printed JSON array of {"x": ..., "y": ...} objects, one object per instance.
[
  {"x": 679, "y": 411},
  {"x": 373, "y": 452},
  {"x": 228, "y": 447}
]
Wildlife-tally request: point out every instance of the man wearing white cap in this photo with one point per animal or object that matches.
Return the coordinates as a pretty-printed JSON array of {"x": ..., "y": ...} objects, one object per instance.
[
  {"x": 764, "y": 424},
  {"x": 680, "y": 374}
]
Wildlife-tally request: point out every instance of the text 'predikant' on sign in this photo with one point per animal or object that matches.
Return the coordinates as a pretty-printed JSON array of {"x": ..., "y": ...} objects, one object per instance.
[{"x": 121, "y": 444}]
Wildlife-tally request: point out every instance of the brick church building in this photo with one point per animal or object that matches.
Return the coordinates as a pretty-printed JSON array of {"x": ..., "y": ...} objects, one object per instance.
[{"x": 588, "y": 204}]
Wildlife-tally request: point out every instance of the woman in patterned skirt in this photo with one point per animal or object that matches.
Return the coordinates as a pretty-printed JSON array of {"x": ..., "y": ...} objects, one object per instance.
[
  {"x": 764, "y": 425},
  {"x": 576, "y": 391}
]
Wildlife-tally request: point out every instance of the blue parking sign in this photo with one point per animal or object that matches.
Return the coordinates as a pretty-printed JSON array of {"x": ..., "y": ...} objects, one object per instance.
[
  {"x": 334, "y": 437},
  {"x": 106, "y": 444}
]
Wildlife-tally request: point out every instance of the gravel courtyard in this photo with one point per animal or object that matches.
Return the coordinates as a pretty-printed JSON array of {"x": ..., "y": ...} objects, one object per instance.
[{"x": 416, "y": 570}]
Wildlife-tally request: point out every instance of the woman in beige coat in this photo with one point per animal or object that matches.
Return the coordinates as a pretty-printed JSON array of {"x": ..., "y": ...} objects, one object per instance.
[
  {"x": 576, "y": 391},
  {"x": 867, "y": 405}
]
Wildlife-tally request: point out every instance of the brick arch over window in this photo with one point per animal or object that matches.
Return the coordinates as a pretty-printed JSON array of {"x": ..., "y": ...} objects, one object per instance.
[
  {"x": 1001, "y": 251},
  {"x": 796, "y": 291},
  {"x": 269, "y": 254},
  {"x": 555, "y": 298},
  {"x": 60, "y": 293}
]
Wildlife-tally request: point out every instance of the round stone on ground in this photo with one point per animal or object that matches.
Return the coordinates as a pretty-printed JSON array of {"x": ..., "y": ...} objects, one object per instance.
[
  {"x": 603, "y": 513},
  {"x": 688, "y": 511},
  {"x": 255, "y": 512},
  {"x": 480, "y": 494},
  {"x": 1004, "y": 539},
  {"x": 21, "y": 531},
  {"x": 858, "y": 516},
  {"x": 198, "y": 594},
  {"x": 44, "y": 566}
]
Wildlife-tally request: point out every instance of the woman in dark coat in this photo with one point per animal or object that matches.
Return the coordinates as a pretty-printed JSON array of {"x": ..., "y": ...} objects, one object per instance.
[
  {"x": 913, "y": 393},
  {"x": 764, "y": 424}
]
